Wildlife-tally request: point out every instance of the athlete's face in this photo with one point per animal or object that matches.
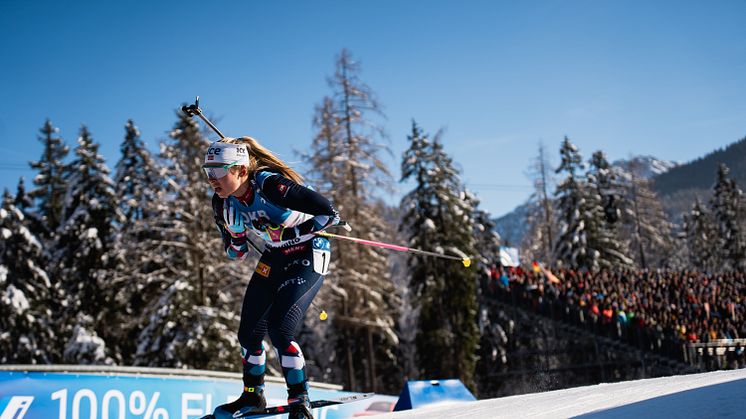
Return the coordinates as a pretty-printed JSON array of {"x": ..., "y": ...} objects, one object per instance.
[{"x": 230, "y": 183}]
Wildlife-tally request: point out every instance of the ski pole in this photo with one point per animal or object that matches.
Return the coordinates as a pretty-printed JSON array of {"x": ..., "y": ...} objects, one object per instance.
[
  {"x": 194, "y": 109},
  {"x": 465, "y": 260},
  {"x": 322, "y": 313}
]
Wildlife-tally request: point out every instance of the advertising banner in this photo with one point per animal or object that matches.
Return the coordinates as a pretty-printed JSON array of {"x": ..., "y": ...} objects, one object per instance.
[{"x": 59, "y": 395}]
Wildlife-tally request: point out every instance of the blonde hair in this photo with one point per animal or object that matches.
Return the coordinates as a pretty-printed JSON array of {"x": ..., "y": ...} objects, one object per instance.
[{"x": 260, "y": 158}]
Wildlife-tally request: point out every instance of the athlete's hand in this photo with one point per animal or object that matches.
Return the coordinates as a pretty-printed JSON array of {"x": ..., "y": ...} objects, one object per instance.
[
  {"x": 318, "y": 223},
  {"x": 344, "y": 224},
  {"x": 234, "y": 220}
]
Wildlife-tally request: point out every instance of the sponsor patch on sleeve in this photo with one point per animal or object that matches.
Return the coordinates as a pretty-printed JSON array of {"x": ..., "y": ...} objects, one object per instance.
[
  {"x": 262, "y": 269},
  {"x": 283, "y": 189}
]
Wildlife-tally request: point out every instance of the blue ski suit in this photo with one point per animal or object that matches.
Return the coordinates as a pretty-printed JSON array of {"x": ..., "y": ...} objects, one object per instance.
[{"x": 285, "y": 215}]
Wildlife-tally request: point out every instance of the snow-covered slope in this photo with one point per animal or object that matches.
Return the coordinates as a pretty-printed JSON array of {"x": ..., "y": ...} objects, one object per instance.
[
  {"x": 707, "y": 395},
  {"x": 646, "y": 166}
]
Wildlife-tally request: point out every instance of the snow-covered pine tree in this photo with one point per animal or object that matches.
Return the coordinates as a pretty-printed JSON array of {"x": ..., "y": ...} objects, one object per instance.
[
  {"x": 487, "y": 247},
  {"x": 137, "y": 179},
  {"x": 701, "y": 239},
  {"x": 438, "y": 216},
  {"x": 645, "y": 225},
  {"x": 607, "y": 186},
  {"x": 346, "y": 167},
  {"x": 81, "y": 251},
  {"x": 487, "y": 240},
  {"x": 728, "y": 212},
  {"x": 603, "y": 201},
  {"x": 414, "y": 169},
  {"x": 493, "y": 342},
  {"x": 50, "y": 184},
  {"x": 317, "y": 337},
  {"x": 22, "y": 200},
  {"x": 25, "y": 203},
  {"x": 572, "y": 248},
  {"x": 540, "y": 218},
  {"x": 27, "y": 296},
  {"x": 137, "y": 183},
  {"x": 190, "y": 290}
]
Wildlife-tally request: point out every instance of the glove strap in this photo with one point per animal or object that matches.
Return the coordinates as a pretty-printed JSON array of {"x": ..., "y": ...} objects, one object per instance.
[{"x": 237, "y": 235}]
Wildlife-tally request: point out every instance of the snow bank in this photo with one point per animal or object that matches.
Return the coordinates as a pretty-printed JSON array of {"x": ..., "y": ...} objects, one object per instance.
[{"x": 713, "y": 394}]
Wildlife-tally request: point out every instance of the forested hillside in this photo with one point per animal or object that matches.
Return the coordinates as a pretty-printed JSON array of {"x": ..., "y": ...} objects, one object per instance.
[
  {"x": 700, "y": 173},
  {"x": 683, "y": 184}
]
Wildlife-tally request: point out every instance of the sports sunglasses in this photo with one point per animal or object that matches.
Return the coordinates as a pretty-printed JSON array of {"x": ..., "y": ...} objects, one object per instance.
[{"x": 217, "y": 172}]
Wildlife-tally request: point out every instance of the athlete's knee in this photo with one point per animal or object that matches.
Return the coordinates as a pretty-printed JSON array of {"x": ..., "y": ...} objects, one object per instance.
[
  {"x": 249, "y": 340},
  {"x": 279, "y": 338},
  {"x": 281, "y": 329},
  {"x": 244, "y": 338}
]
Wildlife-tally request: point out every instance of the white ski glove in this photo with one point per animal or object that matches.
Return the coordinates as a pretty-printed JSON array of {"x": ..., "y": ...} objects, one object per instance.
[{"x": 234, "y": 220}]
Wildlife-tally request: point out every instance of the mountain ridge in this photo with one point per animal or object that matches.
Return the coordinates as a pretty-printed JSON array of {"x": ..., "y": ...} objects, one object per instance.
[{"x": 677, "y": 184}]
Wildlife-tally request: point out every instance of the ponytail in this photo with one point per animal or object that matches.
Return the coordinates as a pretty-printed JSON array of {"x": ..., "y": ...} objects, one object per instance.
[{"x": 261, "y": 158}]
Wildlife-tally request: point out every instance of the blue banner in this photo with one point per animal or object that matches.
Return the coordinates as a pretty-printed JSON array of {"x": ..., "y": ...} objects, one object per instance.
[{"x": 58, "y": 395}]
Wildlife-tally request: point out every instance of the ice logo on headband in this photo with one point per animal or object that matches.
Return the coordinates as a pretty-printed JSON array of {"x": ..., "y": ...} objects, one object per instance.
[{"x": 227, "y": 153}]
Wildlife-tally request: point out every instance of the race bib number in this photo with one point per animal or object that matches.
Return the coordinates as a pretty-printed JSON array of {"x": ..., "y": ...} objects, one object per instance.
[{"x": 322, "y": 253}]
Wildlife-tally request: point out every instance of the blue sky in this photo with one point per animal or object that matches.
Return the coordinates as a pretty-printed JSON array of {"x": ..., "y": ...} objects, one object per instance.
[{"x": 661, "y": 78}]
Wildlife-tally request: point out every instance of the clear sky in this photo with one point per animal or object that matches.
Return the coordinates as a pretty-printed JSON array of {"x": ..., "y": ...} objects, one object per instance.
[{"x": 661, "y": 78}]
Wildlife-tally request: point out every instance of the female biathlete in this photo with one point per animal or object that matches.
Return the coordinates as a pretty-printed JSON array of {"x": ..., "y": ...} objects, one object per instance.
[{"x": 257, "y": 193}]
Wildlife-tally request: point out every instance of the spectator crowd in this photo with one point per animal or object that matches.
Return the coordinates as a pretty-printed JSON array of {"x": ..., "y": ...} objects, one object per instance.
[{"x": 653, "y": 309}]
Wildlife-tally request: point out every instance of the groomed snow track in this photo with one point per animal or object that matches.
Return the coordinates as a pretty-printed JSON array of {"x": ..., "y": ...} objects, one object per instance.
[{"x": 707, "y": 395}]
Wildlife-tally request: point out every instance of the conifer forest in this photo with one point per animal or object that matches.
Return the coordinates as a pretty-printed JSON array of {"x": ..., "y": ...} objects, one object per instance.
[{"x": 118, "y": 262}]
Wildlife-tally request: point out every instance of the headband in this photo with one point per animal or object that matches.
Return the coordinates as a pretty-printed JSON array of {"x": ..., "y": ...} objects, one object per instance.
[{"x": 227, "y": 153}]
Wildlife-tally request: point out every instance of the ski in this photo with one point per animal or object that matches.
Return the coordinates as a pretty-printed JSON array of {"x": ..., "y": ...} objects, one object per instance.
[{"x": 315, "y": 404}]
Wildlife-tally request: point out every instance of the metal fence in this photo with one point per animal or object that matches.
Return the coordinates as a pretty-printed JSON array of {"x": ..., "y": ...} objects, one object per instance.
[{"x": 717, "y": 355}]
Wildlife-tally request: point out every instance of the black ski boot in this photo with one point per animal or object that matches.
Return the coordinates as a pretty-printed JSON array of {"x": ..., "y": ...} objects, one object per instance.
[
  {"x": 300, "y": 407},
  {"x": 251, "y": 400}
]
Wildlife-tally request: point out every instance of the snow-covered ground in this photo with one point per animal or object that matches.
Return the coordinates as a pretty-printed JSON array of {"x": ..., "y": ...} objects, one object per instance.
[{"x": 708, "y": 395}]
